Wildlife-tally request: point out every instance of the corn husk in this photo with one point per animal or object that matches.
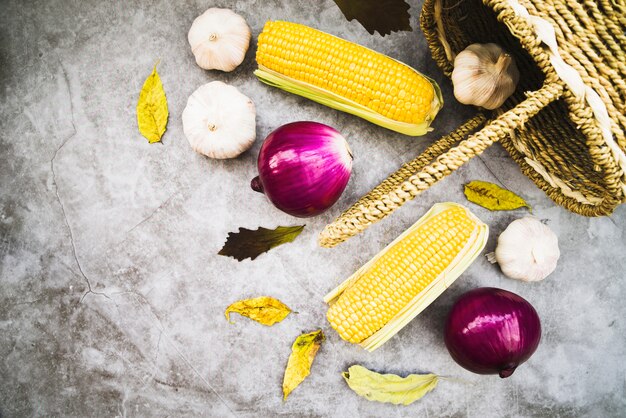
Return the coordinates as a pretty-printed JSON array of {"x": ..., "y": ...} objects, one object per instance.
[
  {"x": 459, "y": 264},
  {"x": 335, "y": 101}
]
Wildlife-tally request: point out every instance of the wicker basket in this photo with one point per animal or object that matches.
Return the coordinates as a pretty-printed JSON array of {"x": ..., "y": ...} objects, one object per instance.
[{"x": 565, "y": 123}]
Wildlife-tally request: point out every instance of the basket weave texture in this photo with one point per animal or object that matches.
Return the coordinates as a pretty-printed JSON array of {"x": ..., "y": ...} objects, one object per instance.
[{"x": 565, "y": 123}]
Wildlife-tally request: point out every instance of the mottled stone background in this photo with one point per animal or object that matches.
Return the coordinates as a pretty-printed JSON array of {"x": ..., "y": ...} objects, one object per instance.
[{"x": 111, "y": 292}]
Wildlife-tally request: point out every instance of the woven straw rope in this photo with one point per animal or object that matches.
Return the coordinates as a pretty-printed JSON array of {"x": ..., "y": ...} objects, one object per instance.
[
  {"x": 610, "y": 195},
  {"x": 381, "y": 192},
  {"x": 582, "y": 90},
  {"x": 368, "y": 211},
  {"x": 556, "y": 188},
  {"x": 603, "y": 152},
  {"x": 584, "y": 70}
]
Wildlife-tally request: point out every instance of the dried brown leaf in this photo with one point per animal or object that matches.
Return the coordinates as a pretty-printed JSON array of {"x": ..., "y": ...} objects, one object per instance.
[
  {"x": 382, "y": 16},
  {"x": 248, "y": 243}
]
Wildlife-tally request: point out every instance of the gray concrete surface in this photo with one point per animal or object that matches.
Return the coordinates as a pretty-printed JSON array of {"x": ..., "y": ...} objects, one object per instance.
[{"x": 111, "y": 292}]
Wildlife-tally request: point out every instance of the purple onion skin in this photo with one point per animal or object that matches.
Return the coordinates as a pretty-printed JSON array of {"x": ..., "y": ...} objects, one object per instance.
[
  {"x": 303, "y": 168},
  {"x": 492, "y": 331}
]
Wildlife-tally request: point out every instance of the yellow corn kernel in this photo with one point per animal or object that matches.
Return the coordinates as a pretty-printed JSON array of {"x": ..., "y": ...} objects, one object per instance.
[
  {"x": 347, "y": 64},
  {"x": 402, "y": 271}
]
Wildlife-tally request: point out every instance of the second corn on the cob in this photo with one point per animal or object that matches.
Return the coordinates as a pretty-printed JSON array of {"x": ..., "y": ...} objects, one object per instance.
[
  {"x": 386, "y": 293},
  {"x": 346, "y": 76}
]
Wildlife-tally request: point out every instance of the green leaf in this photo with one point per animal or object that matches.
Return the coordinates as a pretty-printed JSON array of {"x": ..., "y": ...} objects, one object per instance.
[
  {"x": 265, "y": 310},
  {"x": 389, "y": 388},
  {"x": 303, "y": 353},
  {"x": 152, "y": 110},
  {"x": 248, "y": 243},
  {"x": 383, "y": 16},
  {"x": 493, "y": 197}
]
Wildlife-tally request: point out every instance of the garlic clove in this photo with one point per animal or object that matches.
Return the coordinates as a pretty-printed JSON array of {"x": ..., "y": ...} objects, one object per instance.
[
  {"x": 219, "y": 39},
  {"x": 484, "y": 75},
  {"x": 527, "y": 250},
  {"x": 219, "y": 121}
]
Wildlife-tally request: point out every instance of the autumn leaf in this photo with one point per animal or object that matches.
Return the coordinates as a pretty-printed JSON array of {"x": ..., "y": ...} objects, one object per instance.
[
  {"x": 265, "y": 310},
  {"x": 303, "y": 353},
  {"x": 248, "y": 243},
  {"x": 383, "y": 16},
  {"x": 493, "y": 197},
  {"x": 389, "y": 388},
  {"x": 152, "y": 110}
]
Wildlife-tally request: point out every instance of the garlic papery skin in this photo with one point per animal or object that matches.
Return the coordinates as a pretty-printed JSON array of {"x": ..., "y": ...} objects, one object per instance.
[
  {"x": 484, "y": 75},
  {"x": 219, "y": 121},
  {"x": 219, "y": 39},
  {"x": 527, "y": 250}
]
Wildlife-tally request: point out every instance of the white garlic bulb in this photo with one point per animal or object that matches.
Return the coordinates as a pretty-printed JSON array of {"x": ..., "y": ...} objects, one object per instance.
[
  {"x": 219, "y": 39},
  {"x": 219, "y": 121},
  {"x": 484, "y": 75},
  {"x": 527, "y": 250}
]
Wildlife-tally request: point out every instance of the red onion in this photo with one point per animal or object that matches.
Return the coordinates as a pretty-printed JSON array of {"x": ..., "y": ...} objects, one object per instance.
[
  {"x": 491, "y": 331},
  {"x": 303, "y": 168}
]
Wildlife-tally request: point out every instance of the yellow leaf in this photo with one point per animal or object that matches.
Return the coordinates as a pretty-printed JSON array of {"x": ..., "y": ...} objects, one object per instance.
[
  {"x": 265, "y": 310},
  {"x": 152, "y": 110},
  {"x": 389, "y": 388},
  {"x": 303, "y": 353},
  {"x": 492, "y": 196}
]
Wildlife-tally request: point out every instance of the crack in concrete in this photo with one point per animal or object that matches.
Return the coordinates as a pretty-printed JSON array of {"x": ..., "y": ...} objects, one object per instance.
[
  {"x": 56, "y": 190},
  {"x": 154, "y": 212},
  {"x": 69, "y": 93},
  {"x": 144, "y": 302},
  {"x": 6, "y": 242},
  {"x": 155, "y": 370},
  {"x": 123, "y": 404},
  {"x": 158, "y": 347},
  {"x": 26, "y": 302},
  {"x": 491, "y": 171}
]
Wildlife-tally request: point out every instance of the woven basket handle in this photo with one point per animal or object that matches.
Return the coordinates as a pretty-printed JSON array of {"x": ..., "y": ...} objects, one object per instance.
[{"x": 418, "y": 175}]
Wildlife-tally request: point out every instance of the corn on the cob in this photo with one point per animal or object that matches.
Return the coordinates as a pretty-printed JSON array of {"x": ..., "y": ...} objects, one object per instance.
[
  {"x": 347, "y": 77},
  {"x": 401, "y": 281}
]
